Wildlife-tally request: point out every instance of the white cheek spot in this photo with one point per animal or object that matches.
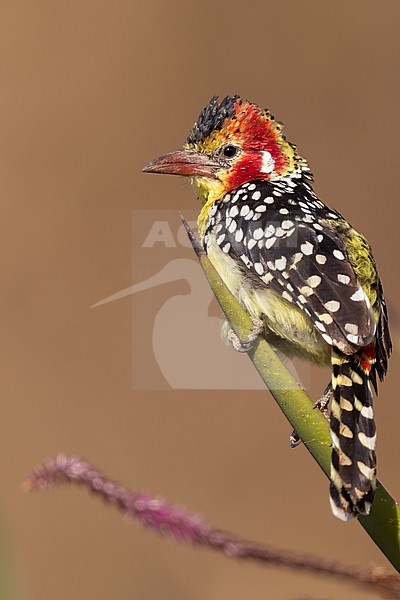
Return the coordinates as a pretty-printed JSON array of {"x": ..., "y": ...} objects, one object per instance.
[{"x": 268, "y": 163}]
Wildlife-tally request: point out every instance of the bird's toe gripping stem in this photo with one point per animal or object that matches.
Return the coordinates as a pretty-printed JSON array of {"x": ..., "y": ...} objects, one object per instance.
[
  {"x": 322, "y": 405},
  {"x": 245, "y": 344}
]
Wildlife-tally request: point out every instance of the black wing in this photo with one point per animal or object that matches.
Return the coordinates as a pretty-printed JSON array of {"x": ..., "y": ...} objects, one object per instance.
[{"x": 292, "y": 246}]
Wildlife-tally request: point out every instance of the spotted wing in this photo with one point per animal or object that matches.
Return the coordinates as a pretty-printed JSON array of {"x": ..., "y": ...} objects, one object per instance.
[{"x": 306, "y": 263}]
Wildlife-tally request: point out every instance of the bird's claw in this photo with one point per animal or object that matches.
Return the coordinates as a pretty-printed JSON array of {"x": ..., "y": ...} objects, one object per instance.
[
  {"x": 294, "y": 439},
  {"x": 323, "y": 402},
  {"x": 245, "y": 344},
  {"x": 322, "y": 405}
]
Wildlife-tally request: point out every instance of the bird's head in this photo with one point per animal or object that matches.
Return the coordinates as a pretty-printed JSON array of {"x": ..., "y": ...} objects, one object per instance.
[{"x": 232, "y": 142}]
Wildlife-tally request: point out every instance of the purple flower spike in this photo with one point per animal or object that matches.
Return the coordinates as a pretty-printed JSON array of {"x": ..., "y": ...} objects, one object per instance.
[{"x": 173, "y": 521}]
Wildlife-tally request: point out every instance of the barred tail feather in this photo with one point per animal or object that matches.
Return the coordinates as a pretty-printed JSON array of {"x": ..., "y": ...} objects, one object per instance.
[{"x": 353, "y": 432}]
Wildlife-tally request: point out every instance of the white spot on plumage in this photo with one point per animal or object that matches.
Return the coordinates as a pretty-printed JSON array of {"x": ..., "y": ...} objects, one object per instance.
[
  {"x": 244, "y": 210},
  {"x": 258, "y": 233},
  {"x": 320, "y": 326},
  {"x": 249, "y": 215},
  {"x": 306, "y": 291},
  {"x": 343, "y": 278},
  {"x": 345, "y": 381},
  {"x": 367, "y": 442},
  {"x": 358, "y": 295},
  {"x": 269, "y": 200},
  {"x": 287, "y": 224},
  {"x": 252, "y": 187},
  {"x": 346, "y": 405},
  {"x": 270, "y": 242},
  {"x": 332, "y": 305},
  {"x": 335, "y": 440},
  {"x": 251, "y": 244},
  {"x": 314, "y": 281},
  {"x": 259, "y": 268},
  {"x": 326, "y": 318},
  {"x": 220, "y": 239},
  {"x": 280, "y": 263},
  {"x": 268, "y": 277},
  {"x": 239, "y": 235},
  {"x": 287, "y": 296},
  {"x": 234, "y": 211},
  {"x": 321, "y": 259},
  {"x": 270, "y": 230},
  {"x": 261, "y": 208},
  {"x": 367, "y": 412},
  {"x": 283, "y": 211},
  {"x": 356, "y": 378},
  {"x": 357, "y": 404},
  {"x": 232, "y": 227},
  {"x": 246, "y": 260},
  {"x": 365, "y": 470},
  {"x": 307, "y": 248},
  {"x": 256, "y": 195},
  {"x": 351, "y": 328},
  {"x": 339, "y": 512},
  {"x": 338, "y": 254},
  {"x": 352, "y": 338},
  {"x": 226, "y": 248}
]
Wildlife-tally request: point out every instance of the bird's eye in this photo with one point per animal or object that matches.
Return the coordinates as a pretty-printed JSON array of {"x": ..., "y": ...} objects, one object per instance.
[{"x": 229, "y": 151}]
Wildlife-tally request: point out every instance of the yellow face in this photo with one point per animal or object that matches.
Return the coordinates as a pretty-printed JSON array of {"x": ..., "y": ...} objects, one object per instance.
[{"x": 248, "y": 146}]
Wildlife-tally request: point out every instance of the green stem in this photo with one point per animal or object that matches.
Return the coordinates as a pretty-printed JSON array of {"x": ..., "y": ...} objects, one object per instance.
[{"x": 383, "y": 522}]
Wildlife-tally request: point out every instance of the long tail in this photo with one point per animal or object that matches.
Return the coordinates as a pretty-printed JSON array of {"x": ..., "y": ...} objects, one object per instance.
[{"x": 353, "y": 432}]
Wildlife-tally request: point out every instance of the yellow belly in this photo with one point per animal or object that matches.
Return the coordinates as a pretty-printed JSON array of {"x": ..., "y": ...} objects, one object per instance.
[{"x": 286, "y": 326}]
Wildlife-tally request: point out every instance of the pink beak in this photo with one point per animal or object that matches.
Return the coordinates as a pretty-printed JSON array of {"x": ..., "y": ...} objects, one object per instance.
[{"x": 188, "y": 163}]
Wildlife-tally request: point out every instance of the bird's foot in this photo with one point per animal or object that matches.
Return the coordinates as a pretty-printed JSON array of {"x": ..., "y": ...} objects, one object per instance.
[
  {"x": 246, "y": 344},
  {"x": 322, "y": 405},
  {"x": 294, "y": 439},
  {"x": 323, "y": 402}
]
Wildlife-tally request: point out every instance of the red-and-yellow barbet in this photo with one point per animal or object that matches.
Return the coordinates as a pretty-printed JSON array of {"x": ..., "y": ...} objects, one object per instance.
[{"x": 296, "y": 265}]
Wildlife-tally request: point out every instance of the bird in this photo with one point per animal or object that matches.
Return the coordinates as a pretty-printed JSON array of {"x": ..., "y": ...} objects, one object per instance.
[{"x": 297, "y": 267}]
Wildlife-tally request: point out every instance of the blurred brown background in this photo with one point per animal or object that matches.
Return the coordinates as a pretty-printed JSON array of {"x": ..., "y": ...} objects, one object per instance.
[{"x": 91, "y": 90}]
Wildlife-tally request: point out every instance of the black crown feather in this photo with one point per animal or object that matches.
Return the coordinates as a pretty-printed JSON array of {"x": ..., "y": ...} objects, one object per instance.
[{"x": 212, "y": 118}]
